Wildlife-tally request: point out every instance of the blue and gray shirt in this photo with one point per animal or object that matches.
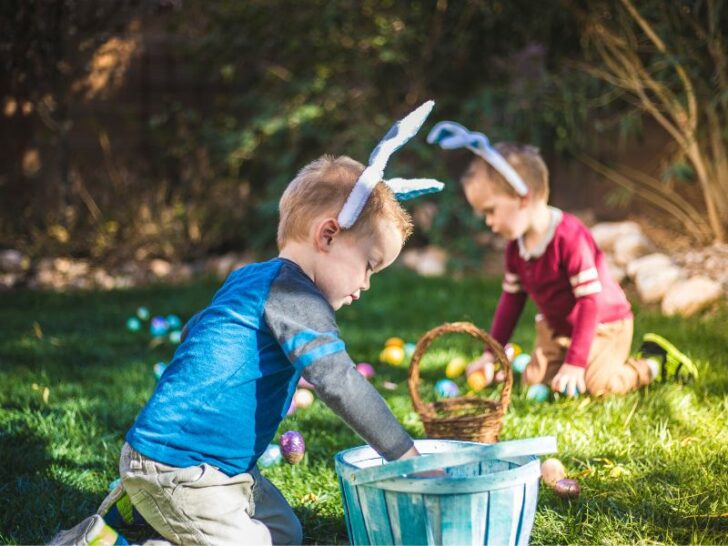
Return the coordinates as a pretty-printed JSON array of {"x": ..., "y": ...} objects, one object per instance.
[{"x": 232, "y": 379}]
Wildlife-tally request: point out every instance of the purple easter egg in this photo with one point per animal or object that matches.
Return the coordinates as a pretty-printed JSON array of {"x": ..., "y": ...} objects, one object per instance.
[
  {"x": 366, "y": 369},
  {"x": 292, "y": 446},
  {"x": 567, "y": 489},
  {"x": 305, "y": 384}
]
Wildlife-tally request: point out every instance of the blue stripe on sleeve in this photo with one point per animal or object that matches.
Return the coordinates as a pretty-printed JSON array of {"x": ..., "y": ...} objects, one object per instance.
[
  {"x": 301, "y": 338},
  {"x": 319, "y": 352}
]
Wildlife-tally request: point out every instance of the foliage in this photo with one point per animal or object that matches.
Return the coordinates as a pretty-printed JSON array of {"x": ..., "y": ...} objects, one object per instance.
[
  {"x": 271, "y": 94},
  {"x": 652, "y": 464},
  {"x": 668, "y": 61}
]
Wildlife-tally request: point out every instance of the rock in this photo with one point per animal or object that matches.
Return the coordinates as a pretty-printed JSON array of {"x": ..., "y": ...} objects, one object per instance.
[
  {"x": 653, "y": 284},
  {"x": 617, "y": 272},
  {"x": 222, "y": 266},
  {"x": 607, "y": 233},
  {"x": 690, "y": 296},
  {"x": 13, "y": 261},
  {"x": 630, "y": 247},
  {"x": 160, "y": 268},
  {"x": 430, "y": 261},
  {"x": 651, "y": 262},
  {"x": 9, "y": 280}
]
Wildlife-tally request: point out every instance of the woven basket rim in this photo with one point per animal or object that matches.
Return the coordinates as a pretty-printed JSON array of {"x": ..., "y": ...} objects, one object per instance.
[{"x": 493, "y": 416}]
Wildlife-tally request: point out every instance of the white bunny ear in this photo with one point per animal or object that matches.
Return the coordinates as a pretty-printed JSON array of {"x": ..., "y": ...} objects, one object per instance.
[
  {"x": 398, "y": 135},
  {"x": 409, "y": 188},
  {"x": 450, "y": 136}
]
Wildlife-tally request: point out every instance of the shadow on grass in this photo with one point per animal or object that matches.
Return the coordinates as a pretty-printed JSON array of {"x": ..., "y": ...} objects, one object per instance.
[{"x": 34, "y": 505}]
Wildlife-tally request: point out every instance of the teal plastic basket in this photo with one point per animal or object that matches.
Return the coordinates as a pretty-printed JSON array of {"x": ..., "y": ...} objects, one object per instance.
[{"x": 488, "y": 497}]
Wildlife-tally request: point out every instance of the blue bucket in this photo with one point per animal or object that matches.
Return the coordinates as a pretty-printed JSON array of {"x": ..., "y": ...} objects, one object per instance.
[{"x": 488, "y": 497}]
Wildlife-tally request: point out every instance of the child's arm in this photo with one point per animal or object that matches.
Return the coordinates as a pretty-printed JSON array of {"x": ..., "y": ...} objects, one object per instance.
[
  {"x": 510, "y": 305},
  {"x": 189, "y": 325},
  {"x": 579, "y": 258},
  {"x": 303, "y": 322}
]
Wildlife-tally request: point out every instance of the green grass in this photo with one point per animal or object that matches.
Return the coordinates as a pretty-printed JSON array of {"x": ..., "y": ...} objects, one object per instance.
[{"x": 653, "y": 464}]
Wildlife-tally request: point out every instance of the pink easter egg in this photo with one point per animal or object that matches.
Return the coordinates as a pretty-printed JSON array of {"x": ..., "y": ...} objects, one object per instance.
[{"x": 366, "y": 369}]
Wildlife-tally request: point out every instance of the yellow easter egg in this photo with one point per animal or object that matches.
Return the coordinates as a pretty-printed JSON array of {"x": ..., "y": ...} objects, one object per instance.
[
  {"x": 394, "y": 342},
  {"x": 392, "y": 355},
  {"x": 477, "y": 381},
  {"x": 303, "y": 398},
  {"x": 512, "y": 350},
  {"x": 456, "y": 367}
]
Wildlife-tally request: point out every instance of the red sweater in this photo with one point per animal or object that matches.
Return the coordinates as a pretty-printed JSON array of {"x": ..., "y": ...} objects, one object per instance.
[{"x": 568, "y": 279}]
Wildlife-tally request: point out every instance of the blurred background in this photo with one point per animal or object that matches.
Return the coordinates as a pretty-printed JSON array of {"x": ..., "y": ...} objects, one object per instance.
[{"x": 141, "y": 135}]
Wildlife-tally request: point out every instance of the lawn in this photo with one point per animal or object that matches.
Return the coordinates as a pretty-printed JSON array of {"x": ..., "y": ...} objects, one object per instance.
[{"x": 653, "y": 465}]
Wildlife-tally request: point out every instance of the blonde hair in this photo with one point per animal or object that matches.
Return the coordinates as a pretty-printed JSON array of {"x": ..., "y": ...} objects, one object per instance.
[
  {"x": 321, "y": 187},
  {"x": 527, "y": 162}
]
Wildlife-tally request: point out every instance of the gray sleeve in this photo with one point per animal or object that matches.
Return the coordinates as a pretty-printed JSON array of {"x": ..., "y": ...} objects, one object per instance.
[{"x": 303, "y": 323}]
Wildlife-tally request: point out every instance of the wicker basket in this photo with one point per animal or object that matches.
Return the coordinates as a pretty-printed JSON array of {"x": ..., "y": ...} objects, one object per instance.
[{"x": 466, "y": 417}]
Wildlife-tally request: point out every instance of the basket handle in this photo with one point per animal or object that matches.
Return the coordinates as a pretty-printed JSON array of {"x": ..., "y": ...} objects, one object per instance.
[
  {"x": 455, "y": 327},
  {"x": 473, "y": 454}
]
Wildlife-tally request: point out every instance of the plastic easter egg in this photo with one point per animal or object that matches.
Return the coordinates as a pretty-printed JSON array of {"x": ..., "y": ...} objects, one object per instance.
[
  {"x": 520, "y": 362},
  {"x": 409, "y": 349},
  {"x": 394, "y": 342},
  {"x": 174, "y": 322},
  {"x": 133, "y": 324},
  {"x": 538, "y": 393},
  {"x": 446, "y": 388},
  {"x": 303, "y": 398},
  {"x": 552, "y": 471},
  {"x": 392, "y": 355},
  {"x": 389, "y": 385},
  {"x": 500, "y": 376},
  {"x": 512, "y": 350},
  {"x": 143, "y": 313},
  {"x": 271, "y": 455},
  {"x": 159, "y": 369},
  {"x": 305, "y": 384},
  {"x": 293, "y": 447},
  {"x": 477, "y": 381},
  {"x": 567, "y": 488},
  {"x": 158, "y": 326},
  {"x": 456, "y": 367},
  {"x": 291, "y": 409},
  {"x": 175, "y": 336},
  {"x": 366, "y": 369}
]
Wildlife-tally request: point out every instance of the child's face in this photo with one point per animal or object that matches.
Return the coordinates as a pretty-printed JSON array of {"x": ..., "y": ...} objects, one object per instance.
[
  {"x": 506, "y": 215},
  {"x": 344, "y": 271}
]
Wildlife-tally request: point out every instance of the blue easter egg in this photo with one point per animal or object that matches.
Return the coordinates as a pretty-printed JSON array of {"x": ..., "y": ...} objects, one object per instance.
[
  {"x": 538, "y": 393},
  {"x": 409, "y": 349},
  {"x": 133, "y": 324},
  {"x": 520, "y": 362},
  {"x": 158, "y": 327},
  {"x": 174, "y": 322},
  {"x": 159, "y": 369},
  {"x": 175, "y": 336},
  {"x": 143, "y": 313},
  {"x": 271, "y": 455},
  {"x": 446, "y": 388}
]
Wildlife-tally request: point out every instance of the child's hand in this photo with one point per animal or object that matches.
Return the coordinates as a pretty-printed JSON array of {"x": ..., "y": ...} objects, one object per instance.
[
  {"x": 569, "y": 380},
  {"x": 437, "y": 473}
]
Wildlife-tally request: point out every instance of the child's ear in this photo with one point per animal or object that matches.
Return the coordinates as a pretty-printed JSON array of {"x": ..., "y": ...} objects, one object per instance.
[
  {"x": 524, "y": 200},
  {"x": 326, "y": 231}
]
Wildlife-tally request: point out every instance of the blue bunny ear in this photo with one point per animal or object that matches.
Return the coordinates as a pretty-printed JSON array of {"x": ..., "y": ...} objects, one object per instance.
[
  {"x": 409, "y": 188},
  {"x": 397, "y": 136},
  {"x": 450, "y": 135}
]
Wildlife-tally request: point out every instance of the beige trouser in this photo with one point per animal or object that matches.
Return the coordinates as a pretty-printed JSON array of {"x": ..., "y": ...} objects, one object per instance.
[
  {"x": 202, "y": 505},
  {"x": 609, "y": 370}
]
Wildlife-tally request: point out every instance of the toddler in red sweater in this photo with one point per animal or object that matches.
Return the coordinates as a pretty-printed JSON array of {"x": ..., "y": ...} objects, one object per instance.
[{"x": 584, "y": 325}]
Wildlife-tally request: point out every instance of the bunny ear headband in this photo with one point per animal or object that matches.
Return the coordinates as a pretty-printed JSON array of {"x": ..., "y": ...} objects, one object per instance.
[
  {"x": 398, "y": 135},
  {"x": 450, "y": 136}
]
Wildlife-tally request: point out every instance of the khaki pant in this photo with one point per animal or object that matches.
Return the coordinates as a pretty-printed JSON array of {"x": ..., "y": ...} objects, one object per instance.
[
  {"x": 202, "y": 505},
  {"x": 609, "y": 370}
]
